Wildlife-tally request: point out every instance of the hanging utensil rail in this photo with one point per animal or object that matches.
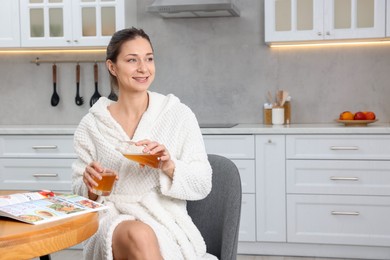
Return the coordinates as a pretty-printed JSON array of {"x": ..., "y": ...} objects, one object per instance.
[{"x": 38, "y": 61}]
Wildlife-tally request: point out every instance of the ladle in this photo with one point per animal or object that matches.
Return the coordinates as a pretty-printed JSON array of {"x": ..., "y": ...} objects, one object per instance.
[{"x": 95, "y": 97}]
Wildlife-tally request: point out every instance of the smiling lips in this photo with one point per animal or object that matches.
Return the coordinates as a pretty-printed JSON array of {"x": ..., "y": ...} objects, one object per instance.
[{"x": 141, "y": 79}]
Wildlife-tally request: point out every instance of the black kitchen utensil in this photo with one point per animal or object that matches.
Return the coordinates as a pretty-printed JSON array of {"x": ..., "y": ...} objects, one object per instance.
[
  {"x": 113, "y": 96},
  {"x": 95, "y": 97},
  {"x": 55, "y": 99},
  {"x": 79, "y": 100}
]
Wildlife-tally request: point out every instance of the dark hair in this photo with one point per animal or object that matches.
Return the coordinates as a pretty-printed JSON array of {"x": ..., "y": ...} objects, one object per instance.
[{"x": 115, "y": 45}]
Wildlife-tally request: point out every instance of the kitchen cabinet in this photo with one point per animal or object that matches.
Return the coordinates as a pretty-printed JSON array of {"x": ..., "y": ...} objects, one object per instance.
[
  {"x": 73, "y": 23},
  {"x": 241, "y": 150},
  {"x": 338, "y": 189},
  {"x": 9, "y": 24},
  {"x": 34, "y": 162},
  {"x": 317, "y": 20},
  {"x": 387, "y": 19},
  {"x": 270, "y": 194}
]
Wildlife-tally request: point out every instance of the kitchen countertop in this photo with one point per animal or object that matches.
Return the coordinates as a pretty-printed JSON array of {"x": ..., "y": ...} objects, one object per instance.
[{"x": 331, "y": 128}]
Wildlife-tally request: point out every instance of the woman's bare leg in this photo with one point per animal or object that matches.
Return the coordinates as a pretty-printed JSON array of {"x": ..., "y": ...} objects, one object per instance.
[{"x": 135, "y": 240}]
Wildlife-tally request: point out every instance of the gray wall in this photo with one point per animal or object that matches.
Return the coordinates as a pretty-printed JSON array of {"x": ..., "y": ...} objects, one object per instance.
[{"x": 220, "y": 67}]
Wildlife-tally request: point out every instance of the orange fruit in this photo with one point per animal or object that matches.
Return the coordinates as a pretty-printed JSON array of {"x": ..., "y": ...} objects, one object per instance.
[{"x": 346, "y": 115}]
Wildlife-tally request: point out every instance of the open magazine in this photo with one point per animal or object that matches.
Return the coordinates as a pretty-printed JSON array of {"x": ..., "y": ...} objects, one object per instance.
[{"x": 44, "y": 206}]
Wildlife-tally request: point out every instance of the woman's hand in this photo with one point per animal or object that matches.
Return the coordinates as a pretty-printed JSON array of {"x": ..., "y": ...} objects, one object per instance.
[
  {"x": 93, "y": 172},
  {"x": 152, "y": 147}
]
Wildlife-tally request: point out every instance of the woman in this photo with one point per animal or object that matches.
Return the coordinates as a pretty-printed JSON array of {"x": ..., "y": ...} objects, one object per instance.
[{"x": 147, "y": 216}]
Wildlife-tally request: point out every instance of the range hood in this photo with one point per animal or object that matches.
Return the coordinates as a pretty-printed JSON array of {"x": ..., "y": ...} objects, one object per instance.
[{"x": 194, "y": 8}]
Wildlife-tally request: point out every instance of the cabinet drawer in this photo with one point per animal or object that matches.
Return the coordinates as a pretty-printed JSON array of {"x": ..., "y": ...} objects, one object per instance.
[
  {"x": 18, "y": 146},
  {"x": 247, "y": 174},
  {"x": 348, "y": 220},
  {"x": 248, "y": 218},
  {"x": 36, "y": 174},
  {"x": 338, "y": 147},
  {"x": 231, "y": 146},
  {"x": 338, "y": 177}
]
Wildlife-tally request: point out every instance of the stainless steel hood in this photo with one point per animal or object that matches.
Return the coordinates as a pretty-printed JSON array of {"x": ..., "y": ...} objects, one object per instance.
[{"x": 194, "y": 8}]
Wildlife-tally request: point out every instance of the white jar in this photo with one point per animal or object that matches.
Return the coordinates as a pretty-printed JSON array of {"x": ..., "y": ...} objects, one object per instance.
[{"x": 278, "y": 116}]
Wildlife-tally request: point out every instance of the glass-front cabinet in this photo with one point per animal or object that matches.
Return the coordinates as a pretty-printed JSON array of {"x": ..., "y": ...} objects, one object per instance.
[
  {"x": 388, "y": 19},
  {"x": 303, "y": 20},
  {"x": 60, "y": 23},
  {"x": 9, "y": 24}
]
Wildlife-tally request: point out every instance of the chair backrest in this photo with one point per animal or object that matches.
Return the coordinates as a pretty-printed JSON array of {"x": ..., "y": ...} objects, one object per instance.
[{"x": 218, "y": 215}]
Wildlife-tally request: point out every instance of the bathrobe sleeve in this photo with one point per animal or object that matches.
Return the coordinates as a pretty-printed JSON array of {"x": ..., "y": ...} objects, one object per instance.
[{"x": 192, "y": 175}]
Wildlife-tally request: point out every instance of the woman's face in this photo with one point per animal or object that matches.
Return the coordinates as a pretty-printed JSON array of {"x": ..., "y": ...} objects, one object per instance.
[{"x": 134, "y": 68}]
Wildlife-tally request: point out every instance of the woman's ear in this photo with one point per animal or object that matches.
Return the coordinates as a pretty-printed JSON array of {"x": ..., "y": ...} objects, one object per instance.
[{"x": 111, "y": 67}]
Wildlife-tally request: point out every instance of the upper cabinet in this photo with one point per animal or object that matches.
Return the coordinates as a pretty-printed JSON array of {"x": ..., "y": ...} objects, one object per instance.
[
  {"x": 63, "y": 23},
  {"x": 388, "y": 19},
  {"x": 72, "y": 23},
  {"x": 311, "y": 20},
  {"x": 9, "y": 24}
]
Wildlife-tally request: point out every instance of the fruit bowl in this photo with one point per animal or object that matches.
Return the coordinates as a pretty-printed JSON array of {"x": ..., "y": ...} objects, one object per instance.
[{"x": 356, "y": 122}]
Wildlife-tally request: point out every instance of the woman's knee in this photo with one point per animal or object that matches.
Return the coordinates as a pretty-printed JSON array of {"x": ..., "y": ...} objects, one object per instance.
[{"x": 135, "y": 238}]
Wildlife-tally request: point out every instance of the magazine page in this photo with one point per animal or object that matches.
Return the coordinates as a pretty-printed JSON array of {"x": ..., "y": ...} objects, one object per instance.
[
  {"x": 22, "y": 197},
  {"x": 50, "y": 209}
]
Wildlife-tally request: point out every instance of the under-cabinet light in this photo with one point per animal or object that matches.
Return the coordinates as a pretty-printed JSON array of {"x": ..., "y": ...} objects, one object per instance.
[
  {"x": 51, "y": 51},
  {"x": 326, "y": 44}
]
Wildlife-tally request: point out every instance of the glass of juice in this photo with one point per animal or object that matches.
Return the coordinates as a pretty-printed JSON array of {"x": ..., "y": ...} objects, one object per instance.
[
  {"x": 105, "y": 185},
  {"x": 135, "y": 153}
]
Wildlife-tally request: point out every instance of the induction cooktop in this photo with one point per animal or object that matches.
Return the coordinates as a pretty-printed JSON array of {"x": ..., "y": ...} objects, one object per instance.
[{"x": 217, "y": 125}]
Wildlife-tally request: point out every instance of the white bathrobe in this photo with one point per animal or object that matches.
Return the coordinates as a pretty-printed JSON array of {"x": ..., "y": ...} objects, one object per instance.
[{"x": 147, "y": 194}]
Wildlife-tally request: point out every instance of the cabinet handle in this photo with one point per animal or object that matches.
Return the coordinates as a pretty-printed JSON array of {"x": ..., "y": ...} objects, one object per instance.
[
  {"x": 269, "y": 141},
  {"x": 45, "y": 175},
  {"x": 344, "y": 148},
  {"x": 37, "y": 147},
  {"x": 335, "y": 178},
  {"x": 346, "y": 213},
  {"x": 76, "y": 41},
  {"x": 319, "y": 33},
  {"x": 327, "y": 33}
]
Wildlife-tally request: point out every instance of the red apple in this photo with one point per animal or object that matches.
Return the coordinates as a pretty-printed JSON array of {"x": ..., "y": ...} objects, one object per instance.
[
  {"x": 370, "y": 115},
  {"x": 359, "y": 116}
]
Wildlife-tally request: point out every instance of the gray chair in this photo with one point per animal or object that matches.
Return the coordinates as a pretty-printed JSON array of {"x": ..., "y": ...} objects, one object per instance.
[{"x": 218, "y": 215}]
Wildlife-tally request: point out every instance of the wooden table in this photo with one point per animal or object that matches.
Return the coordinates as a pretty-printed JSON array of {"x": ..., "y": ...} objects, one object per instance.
[{"x": 25, "y": 241}]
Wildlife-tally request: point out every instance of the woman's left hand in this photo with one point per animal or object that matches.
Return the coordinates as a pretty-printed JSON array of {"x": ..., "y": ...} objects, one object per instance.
[{"x": 152, "y": 147}]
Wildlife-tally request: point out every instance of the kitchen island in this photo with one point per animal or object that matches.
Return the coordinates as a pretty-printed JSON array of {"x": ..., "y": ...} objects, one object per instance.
[{"x": 308, "y": 189}]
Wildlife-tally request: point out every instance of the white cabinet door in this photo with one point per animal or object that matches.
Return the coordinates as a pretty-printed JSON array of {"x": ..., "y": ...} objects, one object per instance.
[
  {"x": 247, "y": 231},
  {"x": 344, "y": 177},
  {"x": 230, "y": 146},
  {"x": 270, "y": 188},
  {"x": 354, "y": 19},
  {"x": 293, "y": 20},
  {"x": 72, "y": 23},
  {"x": 36, "y": 174},
  {"x": 342, "y": 220},
  {"x": 9, "y": 24},
  {"x": 95, "y": 23},
  {"x": 387, "y": 19},
  {"x": 46, "y": 23},
  {"x": 308, "y": 20}
]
